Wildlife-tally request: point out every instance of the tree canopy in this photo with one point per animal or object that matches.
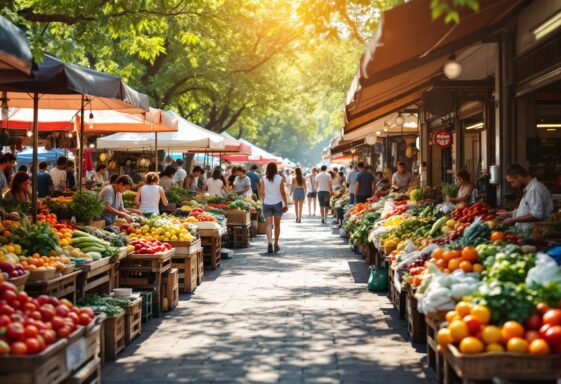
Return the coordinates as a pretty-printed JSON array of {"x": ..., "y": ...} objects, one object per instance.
[{"x": 275, "y": 72}]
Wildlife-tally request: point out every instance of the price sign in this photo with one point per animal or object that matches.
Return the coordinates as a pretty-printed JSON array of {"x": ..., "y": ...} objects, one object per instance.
[
  {"x": 443, "y": 138},
  {"x": 76, "y": 354}
]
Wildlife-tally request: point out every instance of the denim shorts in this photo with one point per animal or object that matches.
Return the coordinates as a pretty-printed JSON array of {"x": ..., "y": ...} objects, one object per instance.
[
  {"x": 312, "y": 195},
  {"x": 272, "y": 210},
  {"x": 298, "y": 194}
]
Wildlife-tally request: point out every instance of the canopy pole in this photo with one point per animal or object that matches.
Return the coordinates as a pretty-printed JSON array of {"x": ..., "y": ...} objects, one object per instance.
[
  {"x": 35, "y": 167},
  {"x": 81, "y": 146},
  {"x": 156, "y": 148}
]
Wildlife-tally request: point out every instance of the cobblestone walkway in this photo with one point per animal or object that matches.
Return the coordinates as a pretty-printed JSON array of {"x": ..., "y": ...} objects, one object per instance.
[{"x": 303, "y": 315}]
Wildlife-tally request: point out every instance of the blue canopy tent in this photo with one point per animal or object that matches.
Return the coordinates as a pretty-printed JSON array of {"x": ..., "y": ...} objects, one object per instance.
[{"x": 26, "y": 156}]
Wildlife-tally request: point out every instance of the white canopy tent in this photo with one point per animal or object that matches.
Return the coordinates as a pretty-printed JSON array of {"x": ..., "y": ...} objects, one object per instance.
[{"x": 189, "y": 136}]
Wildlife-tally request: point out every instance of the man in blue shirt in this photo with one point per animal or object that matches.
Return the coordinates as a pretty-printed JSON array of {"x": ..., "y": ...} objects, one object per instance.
[
  {"x": 365, "y": 184},
  {"x": 255, "y": 180},
  {"x": 44, "y": 181}
]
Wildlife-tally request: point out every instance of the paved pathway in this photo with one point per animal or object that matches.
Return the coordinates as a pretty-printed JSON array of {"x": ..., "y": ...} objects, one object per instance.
[{"x": 303, "y": 315}]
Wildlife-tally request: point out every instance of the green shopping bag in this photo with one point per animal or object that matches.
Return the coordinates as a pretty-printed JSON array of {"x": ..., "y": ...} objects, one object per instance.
[{"x": 378, "y": 280}]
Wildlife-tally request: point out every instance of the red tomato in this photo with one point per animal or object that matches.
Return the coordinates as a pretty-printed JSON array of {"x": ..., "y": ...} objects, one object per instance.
[
  {"x": 88, "y": 311},
  {"x": 42, "y": 344},
  {"x": 43, "y": 299},
  {"x": 33, "y": 346},
  {"x": 22, "y": 297},
  {"x": 74, "y": 317},
  {"x": 57, "y": 322},
  {"x": 534, "y": 322},
  {"x": 4, "y": 320},
  {"x": 4, "y": 348},
  {"x": 29, "y": 307},
  {"x": 6, "y": 309},
  {"x": 473, "y": 324},
  {"x": 15, "y": 331},
  {"x": 6, "y": 286},
  {"x": 542, "y": 308},
  {"x": 9, "y": 296},
  {"x": 49, "y": 335},
  {"x": 63, "y": 332},
  {"x": 31, "y": 331},
  {"x": 61, "y": 310},
  {"x": 85, "y": 319},
  {"x": 552, "y": 317},
  {"x": 47, "y": 312},
  {"x": 18, "y": 348},
  {"x": 553, "y": 335},
  {"x": 35, "y": 315}
]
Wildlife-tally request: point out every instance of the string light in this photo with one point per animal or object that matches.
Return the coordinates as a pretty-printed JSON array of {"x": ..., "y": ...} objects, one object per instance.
[{"x": 29, "y": 133}]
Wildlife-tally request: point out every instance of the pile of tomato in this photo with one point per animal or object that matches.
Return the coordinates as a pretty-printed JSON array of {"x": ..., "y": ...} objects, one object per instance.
[
  {"x": 466, "y": 214},
  {"x": 29, "y": 325}
]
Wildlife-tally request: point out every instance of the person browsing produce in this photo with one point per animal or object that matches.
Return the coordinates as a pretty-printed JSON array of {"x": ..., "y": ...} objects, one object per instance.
[
  {"x": 466, "y": 187},
  {"x": 242, "y": 184},
  {"x": 365, "y": 184},
  {"x": 20, "y": 189},
  {"x": 401, "y": 179},
  {"x": 536, "y": 203},
  {"x": 150, "y": 194},
  {"x": 167, "y": 179},
  {"x": 44, "y": 181},
  {"x": 255, "y": 180},
  {"x": 100, "y": 174},
  {"x": 112, "y": 196},
  {"x": 58, "y": 174},
  {"x": 192, "y": 181}
]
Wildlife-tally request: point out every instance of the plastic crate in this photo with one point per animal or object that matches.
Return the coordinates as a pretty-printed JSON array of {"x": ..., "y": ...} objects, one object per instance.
[{"x": 146, "y": 306}]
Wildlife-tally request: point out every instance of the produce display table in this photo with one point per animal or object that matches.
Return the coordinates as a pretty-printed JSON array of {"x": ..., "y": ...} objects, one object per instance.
[
  {"x": 239, "y": 235},
  {"x": 64, "y": 286},
  {"x": 114, "y": 336},
  {"x": 170, "y": 290},
  {"x": 133, "y": 320},
  {"x": 238, "y": 217},
  {"x": 398, "y": 299},
  {"x": 144, "y": 273},
  {"x": 212, "y": 248},
  {"x": 97, "y": 277},
  {"x": 65, "y": 358}
]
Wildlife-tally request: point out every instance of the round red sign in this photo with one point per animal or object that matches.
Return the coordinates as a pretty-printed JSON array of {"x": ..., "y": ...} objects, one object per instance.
[{"x": 443, "y": 138}]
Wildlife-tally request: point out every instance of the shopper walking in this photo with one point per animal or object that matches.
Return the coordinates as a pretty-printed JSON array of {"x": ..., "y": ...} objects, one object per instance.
[
  {"x": 255, "y": 180},
  {"x": 59, "y": 174},
  {"x": 298, "y": 192},
  {"x": 150, "y": 194},
  {"x": 215, "y": 185},
  {"x": 312, "y": 191},
  {"x": 274, "y": 204},
  {"x": 350, "y": 180},
  {"x": 324, "y": 188},
  {"x": 365, "y": 184}
]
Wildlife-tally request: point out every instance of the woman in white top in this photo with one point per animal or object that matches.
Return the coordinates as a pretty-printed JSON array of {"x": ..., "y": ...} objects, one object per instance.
[
  {"x": 312, "y": 192},
  {"x": 150, "y": 194},
  {"x": 215, "y": 185},
  {"x": 274, "y": 203}
]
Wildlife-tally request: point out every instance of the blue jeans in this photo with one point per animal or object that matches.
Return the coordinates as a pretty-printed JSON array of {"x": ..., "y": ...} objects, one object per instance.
[
  {"x": 272, "y": 210},
  {"x": 351, "y": 198}
]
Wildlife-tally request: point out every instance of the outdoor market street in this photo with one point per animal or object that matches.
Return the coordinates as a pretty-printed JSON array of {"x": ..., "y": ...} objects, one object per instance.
[{"x": 304, "y": 315}]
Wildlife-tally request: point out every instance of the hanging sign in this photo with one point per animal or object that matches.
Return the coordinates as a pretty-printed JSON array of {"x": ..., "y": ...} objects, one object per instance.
[{"x": 442, "y": 138}]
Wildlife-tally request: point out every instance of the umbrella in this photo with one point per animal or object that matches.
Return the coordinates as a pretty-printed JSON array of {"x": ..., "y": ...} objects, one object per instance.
[
  {"x": 26, "y": 156},
  {"x": 258, "y": 155},
  {"x": 16, "y": 59},
  {"x": 58, "y": 85}
]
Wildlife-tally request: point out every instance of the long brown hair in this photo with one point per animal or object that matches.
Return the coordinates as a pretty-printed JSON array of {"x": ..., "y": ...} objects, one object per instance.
[
  {"x": 271, "y": 171},
  {"x": 299, "y": 178}
]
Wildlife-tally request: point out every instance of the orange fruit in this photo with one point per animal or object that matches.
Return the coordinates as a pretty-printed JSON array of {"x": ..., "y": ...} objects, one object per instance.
[
  {"x": 441, "y": 263},
  {"x": 494, "y": 347},
  {"x": 458, "y": 330},
  {"x": 454, "y": 264},
  {"x": 477, "y": 268},
  {"x": 517, "y": 345},
  {"x": 531, "y": 336},
  {"x": 452, "y": 315},
  {"x": 481, "y": 313},
  {"x": 466, "y": 266},
  {"x": 512, "y": 329},
  {"x": 471, "y": 345},
  {"x": 497, "y": 235},
  {"x": 491, "y": 334},
  {"x": 437, "y": 253},
  {"x": 463, "y": 308},
  {"x": 444, "y": 337},
  {"x": 539, "y": 347},
  {"x": 448, "y": 255},
  {"x": 456, "y": 254},
  {"x": 469, "y": 254}
]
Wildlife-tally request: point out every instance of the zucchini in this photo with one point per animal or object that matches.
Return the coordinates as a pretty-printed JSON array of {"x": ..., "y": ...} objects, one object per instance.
[{"x": 93, "y": 249}]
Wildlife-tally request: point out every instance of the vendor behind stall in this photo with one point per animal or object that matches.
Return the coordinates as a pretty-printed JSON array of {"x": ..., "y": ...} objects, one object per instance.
[
  {"x": 536, "y": 203},
  {"x": 112, "y": 196},
  {"x": 466, "y": 187},
  {"x": 401, "y": 179}
]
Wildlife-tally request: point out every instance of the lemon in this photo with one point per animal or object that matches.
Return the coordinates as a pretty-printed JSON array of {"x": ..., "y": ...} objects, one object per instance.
[
  {"x": 10, "y": 248},
  {"x": 174, "y": 238}
]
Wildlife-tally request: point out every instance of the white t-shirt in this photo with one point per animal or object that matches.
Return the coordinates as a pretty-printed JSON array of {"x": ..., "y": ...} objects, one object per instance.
[
  {"x": 180, "y": 176},
  {"x": 324, "y": 181},
  {"x": 272, "y": 190},
  {"x": 535, "y": 201},
  {"x": 59, "y": 178},
  {"x": 150, "y": 198},
  {"x": 214, "y": 187}
]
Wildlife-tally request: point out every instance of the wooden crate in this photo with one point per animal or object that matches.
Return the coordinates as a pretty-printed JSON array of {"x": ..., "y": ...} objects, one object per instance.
[
  {"x": 416, "y": 324},
  {"x": 115, "y": 277},
  {"x": 183, "y": 248},
  {"x": 96, "y": 278},
  {"x": 398, "y": 299},
  {"x": 200, "y": 267},
  {"x": 212, "y": 248},
  {"x": 64, "y": 286},
  {"x": 187, "y": 267},
  {"x": 238, "y": 217},
  {"x": 170, "y": 290},
  {"x": 146, "y": 306},
  {"x": 240, "y": 235},
  {"x": 56, "y": 363},
  {"x": 133, "y": 320},
  {"x": 486, "y": 367},
  {"x": 90, "y": 373},
  {"x": 435, "y": 358},
  {"x": 157, "y": 263},
  {"x": 114, "y": 342}
]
